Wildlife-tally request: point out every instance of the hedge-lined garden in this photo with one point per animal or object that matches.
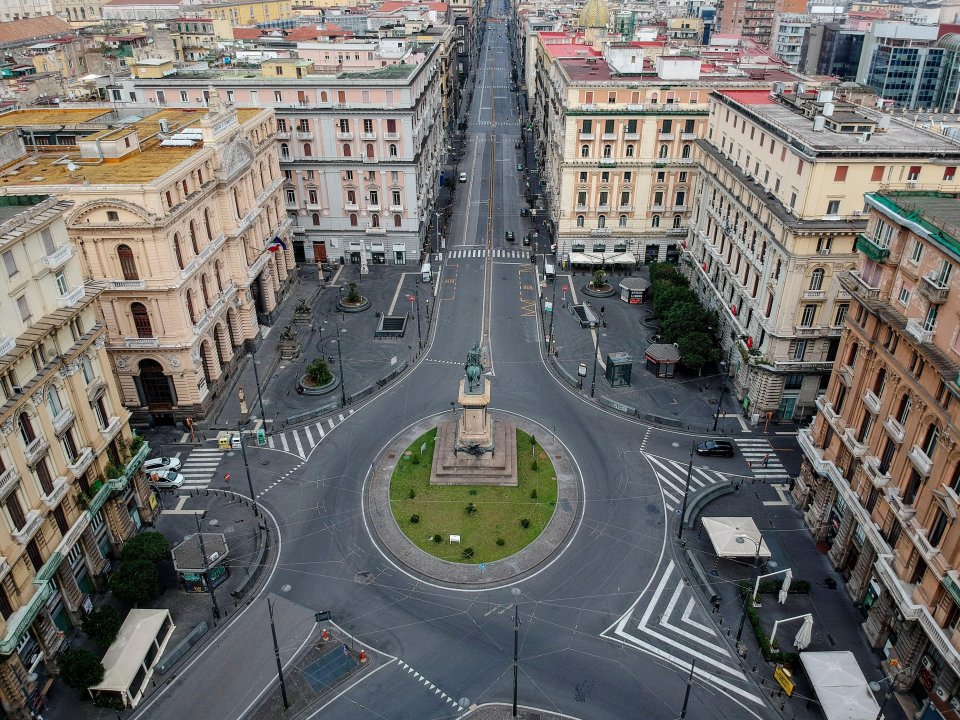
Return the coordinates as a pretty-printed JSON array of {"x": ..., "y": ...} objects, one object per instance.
[{"x": 683, "y": 318}]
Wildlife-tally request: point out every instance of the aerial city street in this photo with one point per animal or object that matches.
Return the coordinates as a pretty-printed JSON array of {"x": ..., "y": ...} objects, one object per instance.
[{"x": 480, "y": 360}]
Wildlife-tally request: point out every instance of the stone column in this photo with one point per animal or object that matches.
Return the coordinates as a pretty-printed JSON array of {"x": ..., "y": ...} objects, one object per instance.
[
  {"x": 48, "y": 635},
  {"x": 72, "y": 595},
  {"x": 91, "y": 553},
  {"x": 860, "y": 577},
  {"x": 878, "y": 619},
  {"x": 822, "y": 496},
  {"x": 841, "y": 544},
  {"x": 911, "y": 644},
  {"x": 143, "y": 492},
  {"x": 803, "y": 489}
]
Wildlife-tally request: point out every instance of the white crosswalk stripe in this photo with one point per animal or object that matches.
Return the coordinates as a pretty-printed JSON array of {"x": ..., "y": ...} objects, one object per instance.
[
  {"x": 482, "y": 253},
  {"x": 200, "y": 467},
  {"x": 762, "y": 458},
  {"x": 301, "y": 441},
  {"x": 672, "y": 476},
  {"x": 668, "y": 622}
]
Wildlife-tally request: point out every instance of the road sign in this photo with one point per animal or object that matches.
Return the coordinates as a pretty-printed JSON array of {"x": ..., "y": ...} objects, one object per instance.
[
  {"x": 322, "y": 615},
  {"x": 582, "y": 370},
  {"x": 548, "y": 307},
  {"x": 261, "y": 437},
  {"x": 226, "y": 477},
  {"x": 565, "y": 288}
]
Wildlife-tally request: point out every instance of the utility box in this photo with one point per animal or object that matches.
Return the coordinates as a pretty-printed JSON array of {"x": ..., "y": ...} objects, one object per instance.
[
  {"x": 261, "y": 437},
  {"x": 619, "y": 369}
]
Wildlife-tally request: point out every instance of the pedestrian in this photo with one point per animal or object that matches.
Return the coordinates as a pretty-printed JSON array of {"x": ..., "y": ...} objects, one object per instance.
[
  {"x": 766, "y": 459},
  {"x": 601, "y": 309}
]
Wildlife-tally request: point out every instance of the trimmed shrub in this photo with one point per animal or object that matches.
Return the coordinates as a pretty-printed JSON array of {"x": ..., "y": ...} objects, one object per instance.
[
  {"x": 318, "y": 373},
  {"x": 501, "y": 542},
  {"x": 150, "y": 546},
  {"x": 135, "y": 582},
  {"x": 467, "y": 553},
  {"x": 414, "y": 518},
  {"x": 471, "y": 509},
  {"x": 437, "y": 538},
  {"x": 102, "y": 625},
  {"x": 412, "y": 494},
  {"x": 79, "y": 668},
  {"x": 525, "y": 523},
  {"x": 533, "y": 494}
]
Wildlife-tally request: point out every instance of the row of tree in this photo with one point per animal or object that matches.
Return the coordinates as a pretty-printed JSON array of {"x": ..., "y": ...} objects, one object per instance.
[{"x": 683, "y": 318}]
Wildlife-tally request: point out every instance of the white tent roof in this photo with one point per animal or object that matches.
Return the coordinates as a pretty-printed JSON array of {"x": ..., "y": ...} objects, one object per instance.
[
  {"x": 125, "y": 655},
  {"x": 724, "y": 531},
  {"x": 597, "y": 258},
  {"x": 840, "y": 685}
]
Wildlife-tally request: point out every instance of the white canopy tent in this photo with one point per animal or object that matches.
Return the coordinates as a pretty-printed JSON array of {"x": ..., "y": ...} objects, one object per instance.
[
  {"x": 598, "y": 259},
  {"x": 724, "y": 531},
  {"x": 128, "y": 664},
  {"x": 840, "y": 685}
]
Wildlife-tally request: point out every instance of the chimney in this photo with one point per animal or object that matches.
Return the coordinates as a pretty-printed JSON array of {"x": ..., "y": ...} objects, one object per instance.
[{"x": 819, "y": 123}]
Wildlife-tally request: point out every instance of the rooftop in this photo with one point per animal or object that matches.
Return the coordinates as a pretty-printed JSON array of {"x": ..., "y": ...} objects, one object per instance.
[
  {"x": 145, "y": 166},
  {"x": 50, "y": 116},
  {"x": 937, "y": 213},
  {"x": 31, "y": 28}
]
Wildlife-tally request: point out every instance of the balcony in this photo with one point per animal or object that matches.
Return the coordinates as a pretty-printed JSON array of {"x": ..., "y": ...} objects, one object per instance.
[
  {"x": 368, "y": 136},
  {"x": 814, "y": 294},
  {"x": 587, "y": 136},
  {"x": 7, "y": 345},
  {"x": 918, "y": 333},
  {"x": 304, "y": 135},
  {"x": 58, "y": 257},
  {"x": 904, "y": 512},
  {"x": 116, "y": 484},
  {"x": 283, "y": 135},
  {"x": 920, "y": 461},
  {"x": 608, "y": 136},
  {"x": 845, "y": 373},
  {"x": 141, "y": 342},
  {"x": 688, "y": 136},
  {"x": 24, "y": 535},
  {"x": 62, "y": 420},
  {"x": 344, "y": 135},
  {"x": 843, "y": 295},
  {"x": 826, "y": 409},
  {"x": 666, "y": 136},
  {"x": 932, "y": 290},
  {"x": 80, "y": 465},
  {"x": 73, "y": 297},
  {"x": 857, "y": 448},
  {"x": 128, "y": 284},
  {"x": 8, "y": 481},
  {"x": 369, "y": 159},
  {"x": 375, "y": 231},
  {"x": 35, "y": 450},
  {"x": 894, "y": 429},
  {"x": 835, "y": 331},
  {"x": 631, "y": 136},
  {"x": 396, "y": 208},
  {"x": 872, "y": 465},
  {"x": 60, "y": 486},
  {"x": 351, "y": 207},
  {"x": 871, "y": 401},
  {"x": 869, "y": 247},
  {"x": 807, "y": 330},
  {"x": 111, "y": 429},
  {"x": 867, "y": 290},
  {"x": 391, "y": 136}
]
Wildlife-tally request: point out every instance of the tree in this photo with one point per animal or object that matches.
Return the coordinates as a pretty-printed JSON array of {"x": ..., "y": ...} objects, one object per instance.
[
  {"x": 318, "y": 373},
  {"x": 682, "y": 319},
  {"x": 150, "y": 546},
  {"x": 102, "y": 625},
  {"x": 79, "y": 668},
  {"x": 664, "y": 272},
  {"x": 670, "y": 296},
  {"x": 697, "y": 349},
  {"x": 135, "y": 581},
  {"x": 599, "y": 279},
  {"x": 352, "y": 295}
]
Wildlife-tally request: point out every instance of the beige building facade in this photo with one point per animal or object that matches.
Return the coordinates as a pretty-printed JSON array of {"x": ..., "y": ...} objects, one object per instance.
[
  {"x": 178, "y": 213},
  {"x": 70, "y": 482},
  {"x": 781, "y": 204},
  {"x": 880, "y": 480}
]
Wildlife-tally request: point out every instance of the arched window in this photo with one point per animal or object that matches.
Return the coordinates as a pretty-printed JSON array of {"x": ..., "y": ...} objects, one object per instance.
[
  {"x": 284, "y": 151},
  {"x": 655, "y": 222},
  {"x": 393, "y": 150},
  {"x": 816, "y": 279},
  {"x": 685, "y": 152},
  {"x": 191, "y": 310},
  {"x": 369, "y": 150},
  {"x": 607, "y": 149},
  {"x": 375, "y": 220},
  {"x": 623, "y": 221},
  {"x": 347, "y": 151},
  {"x": 27, "y": 433},
  {"x": 178, "y": 251},
  {"x": 353, "y": 219},
  {"x": 127, "y": 264},
  {"x": 53, "y": 401},
  {"x": 584, "y": 150},
  {"x": 629, "y": 151},
  {"x": 315, "y": 218},
  {"x": 194, "y": 240},
  {"x": 141, "y": 320},
  {"x": 601, "y": 221},
  {"x": 663, "y": 151},
  {"x": 206, "y": 223},
  {"x": 930, "y": 440},
  {"x": 307, "y": 150},
  {"x": 580, "y": 220},
  {"x": 676, "y": 221},
  {"x": 852, "y": 354},
  {"x": 397, "y": 220},
  {"x": 903, "y": 412},
  {"x": 204, "y": 282},
  {"x": 218, "y": 274}
]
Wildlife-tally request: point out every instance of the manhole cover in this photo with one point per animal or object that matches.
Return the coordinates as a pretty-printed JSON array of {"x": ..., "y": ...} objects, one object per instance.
[
  {"x": 363, "y": 578},
  {"x": 391, "y": 456},
  {"x": 556, "y": 457}
]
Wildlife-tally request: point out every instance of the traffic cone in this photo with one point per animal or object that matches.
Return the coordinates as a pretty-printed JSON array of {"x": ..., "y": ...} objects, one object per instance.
[
  {"x": 363, "y": 656},
  {"x": 324, "y": 635}
]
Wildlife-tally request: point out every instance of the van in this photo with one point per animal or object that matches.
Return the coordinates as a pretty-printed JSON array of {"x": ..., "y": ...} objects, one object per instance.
[
  {"x": 549, "y": 271},
  {"x": 463, "y": 177},
  {"x": 426, "y": 273}
]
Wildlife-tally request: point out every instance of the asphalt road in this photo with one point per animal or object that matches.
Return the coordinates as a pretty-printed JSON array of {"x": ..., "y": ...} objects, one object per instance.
[{"x": 608, "y": 626}]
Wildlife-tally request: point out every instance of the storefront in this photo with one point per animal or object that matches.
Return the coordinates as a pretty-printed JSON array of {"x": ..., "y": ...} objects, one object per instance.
[
  {"x": 378, "y": 255},
  {"x": 356, "y": 253},
  {"x": 399, "y": 253}
]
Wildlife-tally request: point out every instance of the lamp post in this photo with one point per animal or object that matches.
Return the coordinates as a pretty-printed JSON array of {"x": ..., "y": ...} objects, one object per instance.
[
  {"x": 343, "y": 391},
  {"x": 686, "y": 491},
  {"x": 876, "y": 686},
  {"x": 723, "y": 387},
  {"x": 749, "y": 595},
  {"x": 438, "y": 230},
  {"x": 416, "y": 295},
  {"x": 246, "y": 467},
  {"x": 596, "y": 353},
  {"x": 256, "y": 375}
]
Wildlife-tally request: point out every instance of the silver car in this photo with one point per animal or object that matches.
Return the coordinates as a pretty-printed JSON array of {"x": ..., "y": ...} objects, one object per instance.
[
  {"x": 166, "y": 480},
  {"x": 162, "y": 463}
]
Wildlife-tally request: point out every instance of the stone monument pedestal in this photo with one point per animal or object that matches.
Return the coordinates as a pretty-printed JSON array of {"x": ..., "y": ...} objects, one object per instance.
[{"x": 475, "y": 427}]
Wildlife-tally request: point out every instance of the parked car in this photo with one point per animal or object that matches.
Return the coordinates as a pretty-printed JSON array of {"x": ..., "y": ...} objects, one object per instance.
[
  {"x": 166, "y": 480},
  {"x": 519, "y": 167},
  {"x": 159, "y": 464},
  {"x": 524, "y": 212},
  {"x": 508, "y": 235},
  {"x": 718, "y": 448},
  {"x": 463, "y": 177},
  {"x": 526, "y": 239}
]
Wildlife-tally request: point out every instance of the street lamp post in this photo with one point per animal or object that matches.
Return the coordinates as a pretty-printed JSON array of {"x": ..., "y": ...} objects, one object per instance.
[
  {"x": 246, "y": 467},
  {"x": 416, "y": 295},
  {"x": 438, "y": 230},
  {"x": 596, "y": 353},
  {"x": 749, "y": 596},
  {"x": 343, "y": 390},
  {"x": 686, "y": 490},
  {"x": 256, "y": 375},
  {"x": 723, "y": 388}
]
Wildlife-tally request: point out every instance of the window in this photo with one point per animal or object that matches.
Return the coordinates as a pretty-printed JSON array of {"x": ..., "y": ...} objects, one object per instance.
[
  {"x": 604, "y": 198},
  {"x": 584, "y": 150},
  {"x": 307, "y": 150},
  {"x": 583, "y": 177},
  {"x": 313, "y": 197},
  {"x": 607, "y": 149},
  {"x": 629, "y": 151},
  {"x": 608, "y": 127},
  {"x": 676, "y": 221},
  {"x": 25, "y": 427},
  {"x": 833, "y": 207},
  {"x": 375, "y": 221},
  {"x": 601, "y": 221},
  {"x": 903, "y": 412},
  {"x": 655, "y": 221},
  {"x": 904, "y": 297},
  {"x": 624, "y": 198},
  {"x": 141, "y": 321},
  {"x": 938, "y": 529},
  {"x": 816, "y": 279},
  {"x": 841, "y": 398},
  {"x": 315, "y": 218},
  {"x": 582, "y": 198},
  {"x": 886, "y": 457},
  {"x": 840, "y": 173},
  {"x": 347, "y": 151},
  {"x": 809, "y": 315},
  {"x": 177, "y": 250},
  {"x": 127, "y": 264},
  {"x": 916, "y": 252},
  {"x": 284, "y": 151},
  {"x": 24, "y": 307},
  {"x": 392, "y": 150},
  {"x": 623, "y": 221},
  {"x": 397, "y": 221},
  {"x": 291, "y": 195},
  {"x": 49, "y": 246},
  {"x": 53, "y": 401},
  {"x": 580, "y": 221},
  {"x": 793, "y": 382},
  {"x": 61, "y": 281},
  {"x": 949, "y": 173},
  {"x": 930, "y": 440},
  {"x": 685, "y": 151},
  {"x": 10, "y": 263},
  {"x": 877, "y": 175},
  {"x": 663, "y": 151},
  {"x": 353, "y": 219},
  {"x": 914, "y": 173},
  {"x": 799, "y": 349},
  {"x": 842, "y": 310}
]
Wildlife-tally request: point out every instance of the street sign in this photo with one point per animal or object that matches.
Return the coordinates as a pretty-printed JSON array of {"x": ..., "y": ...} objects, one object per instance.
[
  {"x": 565, "y": 288},
  {"x": 548, "y": 307},
  {"x": 322, "y": 615},
  {"x": 582, "y": 370},
  {"x": 261, "y": 437}
]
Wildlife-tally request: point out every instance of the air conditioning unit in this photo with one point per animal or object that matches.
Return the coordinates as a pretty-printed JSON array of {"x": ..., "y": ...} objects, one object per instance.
[
  {"x": 942, "y": 693},
  {"x": 927, "y": 663}
]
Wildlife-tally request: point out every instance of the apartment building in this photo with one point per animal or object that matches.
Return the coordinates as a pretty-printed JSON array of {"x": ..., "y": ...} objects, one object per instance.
[
  {"x": 193, "y": 38},
  {"x": 617, "y": 134},
  {"x": 70, "y": 482},
  {"x": 360, "y": 146},
  {"x": 781, "y": 204},
  {"x": 178, "y": 214},
  {"x": 903, "y": 63},
  {"x": 881, "y": 471}
]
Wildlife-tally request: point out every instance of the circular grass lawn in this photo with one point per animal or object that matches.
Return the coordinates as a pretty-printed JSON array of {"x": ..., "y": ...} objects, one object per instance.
[{"x": 495, "y": 530}]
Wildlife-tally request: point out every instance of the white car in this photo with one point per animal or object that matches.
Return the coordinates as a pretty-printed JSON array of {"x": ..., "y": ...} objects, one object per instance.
[
  {"x": 166, "y": 480},
  {"x": 463, "y": 177},
  {"x": 162, "y": 463}
]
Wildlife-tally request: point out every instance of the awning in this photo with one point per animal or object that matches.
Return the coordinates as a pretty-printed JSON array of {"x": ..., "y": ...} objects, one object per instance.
[
  {"x": 840, "y": 685},
  {"x": 724, "y": 531},
  {"x": 126, "y": 654},
  {"x": 595, "y": 258}
]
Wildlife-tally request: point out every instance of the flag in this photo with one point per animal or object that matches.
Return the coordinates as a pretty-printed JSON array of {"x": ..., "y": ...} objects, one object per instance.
[{"x": 276, "y": 245}]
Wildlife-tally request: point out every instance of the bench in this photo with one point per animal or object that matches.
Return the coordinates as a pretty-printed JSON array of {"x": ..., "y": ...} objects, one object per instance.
[{"x": 699, "y": 500}]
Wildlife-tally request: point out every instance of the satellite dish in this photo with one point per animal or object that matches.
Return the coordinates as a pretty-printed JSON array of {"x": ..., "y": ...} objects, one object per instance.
[{"x": 72, "y": 167}]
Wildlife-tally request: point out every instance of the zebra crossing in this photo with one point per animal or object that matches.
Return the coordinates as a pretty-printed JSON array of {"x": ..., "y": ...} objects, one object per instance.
[
  {"x": 763, "y": 460},
  {"x": 672, "y": 476},
  {"x": 668, "y": 622},
  {"x": 483, "y": 252},
  {"x": 301, "y": 441},
  {"x": 200, "y": 467}
]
